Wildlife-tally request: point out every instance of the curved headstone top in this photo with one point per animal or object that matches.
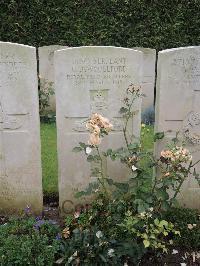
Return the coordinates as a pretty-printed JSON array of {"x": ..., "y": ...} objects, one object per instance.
[
  {"x": 46, "y": 71},
  {"x": 178, "y": 49},
  {"x": 98, "y": 46},
  {"x": 177, "y": 106},
  {"x": 20, "y": 162},
  {"x": 16, "y": 44},
  {"x": 91, "y": 80}
]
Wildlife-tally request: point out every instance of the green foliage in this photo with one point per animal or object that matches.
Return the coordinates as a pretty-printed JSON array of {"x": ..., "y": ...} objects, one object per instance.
[
  {"x": 158, "y": 135},
  {"x": 150, "y": 230},
  {"x": 45, "y": 92},
  {"x": 91, "y": 247},
  {"x": 188, "y": 222},
  {"x": 48, "y": 118},
  {"x": 155, "y": 24},
  {"x": 101, "y": 223},
  {"x": 22, "y": 242}
]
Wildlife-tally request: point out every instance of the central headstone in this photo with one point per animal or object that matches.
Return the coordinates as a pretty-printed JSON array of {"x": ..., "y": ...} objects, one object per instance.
[
  {"x": 91, "y": 80},
  {"x": 178, "y": 108},
  {"x": 20, "y": 162}
]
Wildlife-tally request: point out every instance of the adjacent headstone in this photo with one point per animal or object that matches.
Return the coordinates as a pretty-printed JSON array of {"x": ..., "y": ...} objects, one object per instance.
[
  {"x": 20, "y": 163},
  {"x": 90, "y": 80},
  {"x": 46, "y": 70},
  {"x": 148, "y": 83},
  {"x": 178, "y": 107}
]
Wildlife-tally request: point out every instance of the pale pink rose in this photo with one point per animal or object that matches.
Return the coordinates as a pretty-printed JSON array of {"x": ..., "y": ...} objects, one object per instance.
[{"x": 94, "y": 139}]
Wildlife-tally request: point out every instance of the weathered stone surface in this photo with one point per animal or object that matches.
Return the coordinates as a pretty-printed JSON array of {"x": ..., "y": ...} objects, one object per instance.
[
  {"x": 89, "y": 80},
  {"x": 46, "y": 70},
  {"x": 20, "y": 163},
  {"x": 148, "y": 82},
  {"x": 178, "y": 107}
]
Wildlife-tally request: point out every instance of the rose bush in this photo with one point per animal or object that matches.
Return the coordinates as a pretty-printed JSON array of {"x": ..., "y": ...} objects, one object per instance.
[{"x": 128, "y": 214}]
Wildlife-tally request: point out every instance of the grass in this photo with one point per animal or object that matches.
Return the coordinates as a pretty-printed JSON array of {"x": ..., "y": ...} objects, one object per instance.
[
  {"x": 147, "y": 134},
  {"x": 49, "y": 154},
  {"x": 49, "y": 158}
]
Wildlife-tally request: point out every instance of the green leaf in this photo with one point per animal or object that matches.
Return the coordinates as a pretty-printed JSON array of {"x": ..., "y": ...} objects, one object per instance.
[
  {"x": 95, "y": 171},
  {"x": 103, "y": 258},
  {"x": 177, "y": 233},
  {"x": 77, "y": 149},
  {"x": 162, "y": 194},
  {"x": 123, "y": 110},
  {"x": 109, "y": 181},
  {"x": 158, "y": 135},
  {"x": 156, "y": 222},
  {"x": 82, "y": 144},
  {"x": 122, "y": 186},
  {"x": 196, "y": 176},
  {"x": 165, "y": 205},
  {"x": 141, "y": 205},
  {"x": 108, "y": 152},
  {"x": 146, "y": 243},
  {"x": 163, "y": 223},
  {"x": 90, "y": 158},
  {"x": 174, "y": 202},
  {"x": 133, "y": 146}
]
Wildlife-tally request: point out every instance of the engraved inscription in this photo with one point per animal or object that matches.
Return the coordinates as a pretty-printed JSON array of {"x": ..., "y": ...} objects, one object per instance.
[
  {"x": 80, "y": 125},
  {"x": 96, "y": 70},
  {"x": 185, "y": 69},
  {"x": 11, "y": 67},
  {"x": 191, "y": 128}
]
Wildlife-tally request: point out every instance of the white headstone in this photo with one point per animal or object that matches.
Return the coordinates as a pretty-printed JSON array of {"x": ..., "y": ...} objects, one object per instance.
[
  {"x": 46, "y": 70},
  {"x": 90, "y": 80},
  {"x": 20, "y": 163},
  {"x": 148, "y": 82},
  {"x": 178, "y": 107}
]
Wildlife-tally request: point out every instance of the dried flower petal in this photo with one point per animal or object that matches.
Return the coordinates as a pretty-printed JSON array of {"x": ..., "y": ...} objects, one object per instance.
[{"x": 66, "y": 232}]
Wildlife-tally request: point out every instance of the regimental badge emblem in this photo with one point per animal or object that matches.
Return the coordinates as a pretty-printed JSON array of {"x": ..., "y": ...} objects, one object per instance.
[{"x": 191, "y": 128}]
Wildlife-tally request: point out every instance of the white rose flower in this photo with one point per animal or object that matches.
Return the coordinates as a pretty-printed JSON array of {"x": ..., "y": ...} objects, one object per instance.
[
  {"x": 88, "y": 150},
  {"x": 174, "y": 251},
  {"x": 99, "y": 234},
  {"x": 111, "y": 252},
  {"x": 134, "y": 168}
]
